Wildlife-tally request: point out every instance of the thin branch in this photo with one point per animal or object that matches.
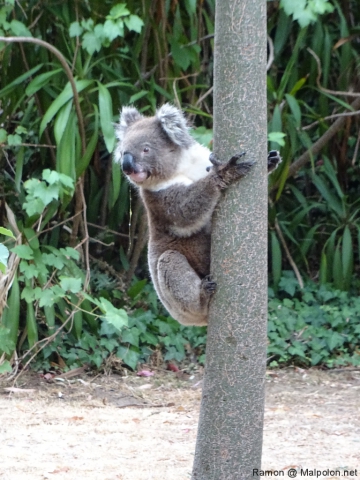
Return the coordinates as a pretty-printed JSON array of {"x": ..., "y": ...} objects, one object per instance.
[
  {"x": 319, "y": 144},
  {"x": 330, "y": 117},
  {"x": 323, "y": 89},
  {"x": 288, "y": 254}
]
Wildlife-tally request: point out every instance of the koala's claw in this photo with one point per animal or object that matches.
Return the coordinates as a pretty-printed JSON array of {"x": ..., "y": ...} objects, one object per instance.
[
  {"x": 273, "y": 160},
  {"x": 208, "y": 285},
  {"x": 234, "y": 160},
  {"x": 214, "y": 160}
]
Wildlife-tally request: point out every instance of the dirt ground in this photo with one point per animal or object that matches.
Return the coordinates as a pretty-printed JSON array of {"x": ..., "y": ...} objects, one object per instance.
[{"x": 138, "y": 428}]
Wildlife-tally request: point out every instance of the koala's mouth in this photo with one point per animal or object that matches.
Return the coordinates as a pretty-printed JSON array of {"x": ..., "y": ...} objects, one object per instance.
[{"x": 138, "y": 177}]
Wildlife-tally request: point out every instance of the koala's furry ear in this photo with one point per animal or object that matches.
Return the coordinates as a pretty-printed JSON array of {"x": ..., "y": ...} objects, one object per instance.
[
  {"x": 174, "y": 125},
  {"x": 128, "y": 116}
]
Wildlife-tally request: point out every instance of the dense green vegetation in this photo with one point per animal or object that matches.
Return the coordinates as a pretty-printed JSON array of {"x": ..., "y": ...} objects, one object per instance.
[{"x": 75, "y": 288}]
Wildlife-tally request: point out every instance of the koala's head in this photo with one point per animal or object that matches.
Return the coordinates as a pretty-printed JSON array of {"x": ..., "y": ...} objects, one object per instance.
[{"x": 150, "y": 148}]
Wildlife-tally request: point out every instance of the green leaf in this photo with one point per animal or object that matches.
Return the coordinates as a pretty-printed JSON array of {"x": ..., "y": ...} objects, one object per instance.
[
  {"x": 31, "y": 325},
  {"x": 4, "y": 255},
  {"x": 23, "y": 251},
  {"x": 91, "y": 42},
  {"x": 118, "y": 10},
  {"x": 134, "y": 23},
  {"x": 6, "y": 232},
  {"x": 19, "y": 29},
  {"x": 113, "y": 29},
  {"x": 134, "y": 98},
  {"x": 71, "y": 284},
  {"x": 5, "y": 367},
  {"x": 295, "y": 109},
  {"x": 129, "y": 356},
  {"x": 75, "y": 29},
  {"x": 14, "y": 140},
  {"x": 66, "y": 152},
  {"x": 84, "y": 161},
  {"x": 60, "y": 100},
  {"x": 131, "y": 335},
  {"x": 61, "y": 120},
  {"x": 19, "y": 81},
  {"x": 106, "y": 117},
  {"x": 70, "y": 252},
  {"x": 40, "y": 81},
  {"x": 180, "y": 55},
  {"x": 115, "y": 316},
  {"x": 3, "y": 135},
  {"x": 277, "y": 137}
]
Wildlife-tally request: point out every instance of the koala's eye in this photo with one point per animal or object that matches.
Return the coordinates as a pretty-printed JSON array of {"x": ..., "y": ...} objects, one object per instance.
[{"x": 146, "y": 149}]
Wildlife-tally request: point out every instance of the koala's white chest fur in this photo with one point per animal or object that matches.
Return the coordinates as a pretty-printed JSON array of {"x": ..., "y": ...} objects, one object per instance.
[{"x": 191, "y": 168}]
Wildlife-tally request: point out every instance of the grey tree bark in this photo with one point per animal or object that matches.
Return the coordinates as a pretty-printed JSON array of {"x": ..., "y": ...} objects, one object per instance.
[{"x": 229, "y": 439}]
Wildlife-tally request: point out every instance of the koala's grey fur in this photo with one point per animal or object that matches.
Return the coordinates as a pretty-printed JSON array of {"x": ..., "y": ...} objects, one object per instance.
[{"x": 180, "y": 184}]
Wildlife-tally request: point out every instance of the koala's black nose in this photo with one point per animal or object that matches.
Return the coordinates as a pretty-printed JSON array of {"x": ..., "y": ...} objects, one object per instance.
[{"x": 128, "y": 163}]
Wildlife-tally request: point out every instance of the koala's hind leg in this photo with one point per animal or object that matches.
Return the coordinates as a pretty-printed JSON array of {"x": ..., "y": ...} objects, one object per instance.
[{"x": 185, "y": 295}]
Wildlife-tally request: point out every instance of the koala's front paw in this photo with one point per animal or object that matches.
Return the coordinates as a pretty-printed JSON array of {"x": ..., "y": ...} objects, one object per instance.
[
  {"x": 232, "y": 170},
  {"x": 208, "y": 285},
  {"x": 273, "y": 160}
]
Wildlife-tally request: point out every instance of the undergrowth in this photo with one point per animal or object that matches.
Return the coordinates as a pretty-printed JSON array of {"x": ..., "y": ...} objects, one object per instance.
[{"x": 317, "y": 325}]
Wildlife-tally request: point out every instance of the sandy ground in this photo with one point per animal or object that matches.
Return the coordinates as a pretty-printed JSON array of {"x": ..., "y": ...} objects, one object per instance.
[{"x": 133, "y": 428}]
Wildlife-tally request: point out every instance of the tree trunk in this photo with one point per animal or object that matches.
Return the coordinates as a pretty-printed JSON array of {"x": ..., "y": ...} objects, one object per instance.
[{"x": 229, "y": 439}]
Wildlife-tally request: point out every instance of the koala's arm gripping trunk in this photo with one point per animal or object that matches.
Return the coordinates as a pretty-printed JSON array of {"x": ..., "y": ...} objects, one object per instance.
[{"x": 187, "y": 205}]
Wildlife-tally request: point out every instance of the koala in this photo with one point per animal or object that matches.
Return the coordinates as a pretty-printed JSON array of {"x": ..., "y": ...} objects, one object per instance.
[{"x": 180, "y": 183}]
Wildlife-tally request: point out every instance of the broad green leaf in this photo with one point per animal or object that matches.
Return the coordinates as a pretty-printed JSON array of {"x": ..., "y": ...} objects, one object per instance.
[
  {"x": 129, "y": 356},
  {"x": 331, "y": 199},
  {"x": 6, "y": 232},
  {"x": 31, "y": 325},
  {"x": 295, "y": 109},
  {"x": 277, "y": 137},
  {"x": 323, "y": 274},
  {"x": 60, "y": 100},
  {"x": 338, "y": 270},
  {"x": 118, "y": 10},
  {"x": 5, "y": 367},
  {"x": 134, "y": 23},
  {"x": 19, "y": 29},
  {"x": 14, "y": 140},
  {"x": 73, "y": 285},
  {"x": 106, "y": 117},
  {"x": 61, "y": 121},
  {"x": 19, "y": 81},
  {"x": 28, "y": 269},
  {"x": 40, "y": 81},
  {"x": 113, "y": 29},
  {"x": 3, "y": 135},
  {"x": 115, "y": 316},
  {"x": 70, "y": 252},
  {"x": 180, "y": 55},
  {"x": 91, "y": 43},
  {"x": 130, "y": 335},
  {"x": 84, "y": 161},
  {"x": 66, "y": 152},
  {"x": 23, "y": 251},
  {"x": 75, "y": 29}
]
